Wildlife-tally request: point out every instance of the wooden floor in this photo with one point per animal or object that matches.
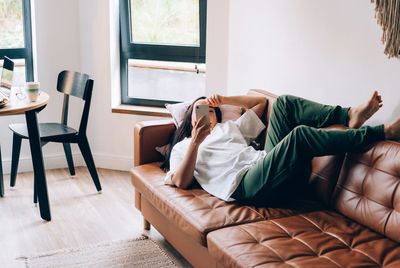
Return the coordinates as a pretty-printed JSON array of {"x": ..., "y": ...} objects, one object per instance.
[{"x": 80, "y": 215}]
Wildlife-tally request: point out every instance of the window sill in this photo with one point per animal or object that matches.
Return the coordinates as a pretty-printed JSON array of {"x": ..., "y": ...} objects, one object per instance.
[
  {"x": 141, "y": 110},
  {"x": 168, "y": 65}
]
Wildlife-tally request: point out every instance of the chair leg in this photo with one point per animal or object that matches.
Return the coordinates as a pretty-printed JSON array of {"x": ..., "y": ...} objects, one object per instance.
[
  {"x": 1, "y": 177},
  {"x": 87, "y": 155},
  {"x": 35, "y": 197},
  {"x": 15, "y": 158},
  {"x": 68, "y": 155}
]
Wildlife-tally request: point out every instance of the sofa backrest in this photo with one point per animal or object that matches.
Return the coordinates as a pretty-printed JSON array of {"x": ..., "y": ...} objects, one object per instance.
[{"x": 368, "y": 189}]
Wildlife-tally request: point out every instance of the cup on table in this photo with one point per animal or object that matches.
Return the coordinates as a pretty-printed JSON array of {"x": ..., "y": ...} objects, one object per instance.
[{"x": 32, "y": 89}]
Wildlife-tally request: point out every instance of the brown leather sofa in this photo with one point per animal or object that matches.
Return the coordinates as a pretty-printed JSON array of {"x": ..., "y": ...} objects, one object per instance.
[{"x": 349, "y": 218}]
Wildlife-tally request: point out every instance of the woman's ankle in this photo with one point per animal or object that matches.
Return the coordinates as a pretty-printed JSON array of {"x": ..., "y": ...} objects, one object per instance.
[
  {"x": 392, "y": 130},
  {"x": 387, "y": 131}
]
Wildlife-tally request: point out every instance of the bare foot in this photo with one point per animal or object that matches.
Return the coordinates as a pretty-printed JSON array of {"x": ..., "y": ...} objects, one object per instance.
[
  {"x": 358, "y": 115},
  {"x": 392, "y": 130}
]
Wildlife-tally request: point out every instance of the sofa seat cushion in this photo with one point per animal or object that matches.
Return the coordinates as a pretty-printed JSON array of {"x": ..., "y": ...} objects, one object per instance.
[
  {"x": 195, "y": 211},
  {"x": 315, "y": 239}
]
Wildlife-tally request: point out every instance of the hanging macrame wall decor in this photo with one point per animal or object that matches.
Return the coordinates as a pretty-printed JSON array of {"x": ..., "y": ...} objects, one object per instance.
[{"x": 387, "y": 12}]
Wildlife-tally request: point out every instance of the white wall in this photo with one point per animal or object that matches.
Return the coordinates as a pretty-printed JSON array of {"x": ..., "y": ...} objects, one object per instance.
[
  {"x": 328, "y": 51},
  {"x": 110, "y": 135},
  {"x": 217, "y": 46}
]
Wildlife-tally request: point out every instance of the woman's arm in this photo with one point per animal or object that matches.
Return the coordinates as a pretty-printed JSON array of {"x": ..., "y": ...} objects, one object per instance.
[
  {"x": 256, "y": 103},
  {"x": 183, "y": 176}
]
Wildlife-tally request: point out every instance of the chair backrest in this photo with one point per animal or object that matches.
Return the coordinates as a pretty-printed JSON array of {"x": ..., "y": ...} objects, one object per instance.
[
  {"x": 78, "y": 85},
  {"x": 72, "y": 83}
]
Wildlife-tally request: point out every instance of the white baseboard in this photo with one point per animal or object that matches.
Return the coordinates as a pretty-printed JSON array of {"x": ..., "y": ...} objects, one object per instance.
[
  {"x": 113, "y": 162},
  {"x": 59, "y": 161}
]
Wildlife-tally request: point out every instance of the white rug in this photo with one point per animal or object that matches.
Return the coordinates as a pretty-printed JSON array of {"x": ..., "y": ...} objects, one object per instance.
[{"x": 140, "y": 252}]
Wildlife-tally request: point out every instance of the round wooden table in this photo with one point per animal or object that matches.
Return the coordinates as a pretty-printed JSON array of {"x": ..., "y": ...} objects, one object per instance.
[{"x": 20, "y": 104}]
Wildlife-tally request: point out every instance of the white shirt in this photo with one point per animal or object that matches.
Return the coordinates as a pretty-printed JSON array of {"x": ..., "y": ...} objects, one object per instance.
[{"x": 223, "y": 157}]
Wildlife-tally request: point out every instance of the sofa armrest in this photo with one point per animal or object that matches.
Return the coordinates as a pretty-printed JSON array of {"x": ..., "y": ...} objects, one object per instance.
[{"x": 147, "y": 136}]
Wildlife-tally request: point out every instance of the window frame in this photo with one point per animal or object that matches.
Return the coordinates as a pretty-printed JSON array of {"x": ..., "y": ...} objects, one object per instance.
[
  {"x": 159, "y": 52},
  {"x": 26, "y": 51}
]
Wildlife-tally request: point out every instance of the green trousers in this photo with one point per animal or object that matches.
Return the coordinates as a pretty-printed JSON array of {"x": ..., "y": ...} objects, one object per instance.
[{"x": 293, "y": 138}]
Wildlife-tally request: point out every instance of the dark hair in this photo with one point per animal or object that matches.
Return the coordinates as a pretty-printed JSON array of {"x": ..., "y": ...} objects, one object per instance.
[{"x": 185, "y": 130}]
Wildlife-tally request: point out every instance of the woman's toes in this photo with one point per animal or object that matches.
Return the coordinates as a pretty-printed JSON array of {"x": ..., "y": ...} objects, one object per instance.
[{"x": 358, "y": 115}]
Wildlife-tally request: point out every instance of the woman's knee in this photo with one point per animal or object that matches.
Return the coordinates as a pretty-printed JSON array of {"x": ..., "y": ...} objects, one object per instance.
[
  {"x": 300, "y": 132},
  {"x": 284, "y": 100},
  {"x": 280, "y": 104},
  {"x": 298, "y": 141}
]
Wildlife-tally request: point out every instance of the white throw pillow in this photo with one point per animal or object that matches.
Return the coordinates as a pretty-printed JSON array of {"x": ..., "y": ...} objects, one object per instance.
[
  {"x": 178, "y": 111},
  {"x": 163, "y": 149}
]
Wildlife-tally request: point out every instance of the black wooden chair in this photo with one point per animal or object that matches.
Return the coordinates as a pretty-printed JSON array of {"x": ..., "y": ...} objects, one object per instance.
[{"x": 74, "y": 84}]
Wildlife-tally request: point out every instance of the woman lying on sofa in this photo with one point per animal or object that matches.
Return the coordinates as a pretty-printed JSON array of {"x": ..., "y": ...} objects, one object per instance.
[{"x": 219, "y": 158}]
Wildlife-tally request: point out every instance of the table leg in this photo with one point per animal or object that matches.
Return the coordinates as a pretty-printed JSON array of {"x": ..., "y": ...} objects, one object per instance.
[
  {"x": 38, "y": 165},
  {"x": 1, "y": 177}
]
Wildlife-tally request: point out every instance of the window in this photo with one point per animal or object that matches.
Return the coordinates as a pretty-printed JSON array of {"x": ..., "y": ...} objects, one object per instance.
[
  {"x": 16, "y": 38},
  {"x": 162, "y": 50}
]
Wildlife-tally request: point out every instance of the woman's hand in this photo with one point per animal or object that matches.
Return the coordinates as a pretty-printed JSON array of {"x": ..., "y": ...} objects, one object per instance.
[
  {"x": 215, "y": 100},
  {"x": 200, "y": 130}
]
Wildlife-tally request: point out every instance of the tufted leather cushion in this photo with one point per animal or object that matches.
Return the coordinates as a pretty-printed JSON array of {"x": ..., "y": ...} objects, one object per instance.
[
  {"x": 195, "y": 211},
  {"x": 316, "y": 239},
  {"x": 368, "y": 189}
]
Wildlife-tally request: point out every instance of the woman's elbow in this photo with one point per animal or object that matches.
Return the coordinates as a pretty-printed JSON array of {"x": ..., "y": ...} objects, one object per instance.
[
  {"x": 259, "y": 109},
  {"x": 263, "y": 100},
  {"x": 180, "y": 183}
]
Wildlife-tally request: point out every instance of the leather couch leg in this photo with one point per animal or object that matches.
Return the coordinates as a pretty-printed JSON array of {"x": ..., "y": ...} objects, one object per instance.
[{"x": 146, "y": 224}]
